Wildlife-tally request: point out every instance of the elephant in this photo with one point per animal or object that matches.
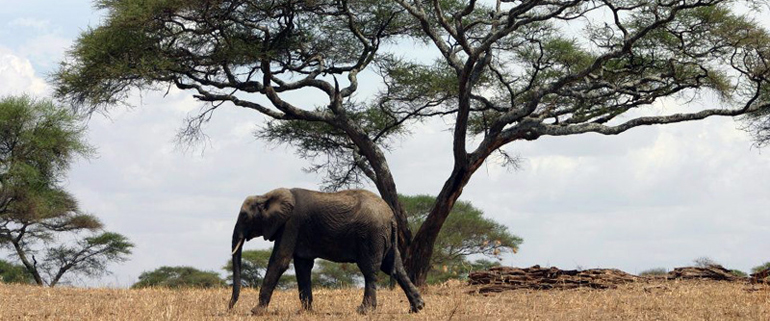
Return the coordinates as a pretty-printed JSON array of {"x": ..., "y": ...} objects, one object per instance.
[{"x": 352, "y": 226}]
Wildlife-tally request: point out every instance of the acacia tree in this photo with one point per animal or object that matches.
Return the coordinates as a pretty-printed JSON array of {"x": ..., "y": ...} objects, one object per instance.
[
  {"x": 40, "y": 222},
  {"x": 507, "y": 70}
]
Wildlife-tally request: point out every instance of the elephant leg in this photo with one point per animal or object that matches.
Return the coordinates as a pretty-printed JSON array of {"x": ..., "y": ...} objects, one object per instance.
[
  {"x": 370, "y": 287},
  {"x": 303, "y": 269},
  {"x": 278, "y": 263},
  {"x": 415, "y": 300}
]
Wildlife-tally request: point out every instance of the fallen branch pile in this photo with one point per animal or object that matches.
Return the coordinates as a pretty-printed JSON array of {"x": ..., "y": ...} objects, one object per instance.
[
  {"x": 498, "y": 279},
  {"x": 761, "y": 276},
  {"x": 712, "y": 272}
]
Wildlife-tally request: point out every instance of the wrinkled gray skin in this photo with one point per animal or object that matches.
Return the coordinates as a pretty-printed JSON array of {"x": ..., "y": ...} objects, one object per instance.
[{"x": 354, "y": 226}]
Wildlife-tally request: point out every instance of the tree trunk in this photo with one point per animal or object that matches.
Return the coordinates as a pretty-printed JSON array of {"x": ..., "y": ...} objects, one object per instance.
[
  {"x": 417, "y": 262},
  {"x": 421, "y": 251},
  {"x": 31, "y": 268}
]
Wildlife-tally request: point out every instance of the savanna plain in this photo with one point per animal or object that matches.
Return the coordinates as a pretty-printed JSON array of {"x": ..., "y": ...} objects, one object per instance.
[{"x": 657, "y": 300}]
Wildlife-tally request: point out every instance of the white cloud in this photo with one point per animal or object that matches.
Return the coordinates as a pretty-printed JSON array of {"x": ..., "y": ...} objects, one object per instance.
[
  {"x": 33, "y": 23},
  {"x": 45, "y": 51},
  {"x": 18, "y": 77}
]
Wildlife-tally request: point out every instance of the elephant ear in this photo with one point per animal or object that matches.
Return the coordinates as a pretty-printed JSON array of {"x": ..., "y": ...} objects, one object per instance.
[{"x": 277, "y": 210}]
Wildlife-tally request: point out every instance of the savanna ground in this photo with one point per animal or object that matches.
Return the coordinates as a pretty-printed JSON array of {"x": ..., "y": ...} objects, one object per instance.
[{"x": 656, "y": 300}]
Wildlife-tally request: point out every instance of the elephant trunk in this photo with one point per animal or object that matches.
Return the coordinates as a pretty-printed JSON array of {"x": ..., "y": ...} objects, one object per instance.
[{"x": 238, "y": 240}]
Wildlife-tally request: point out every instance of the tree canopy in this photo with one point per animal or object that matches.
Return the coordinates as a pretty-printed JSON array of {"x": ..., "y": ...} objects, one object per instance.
[
  {"x": 505, "y": 71},
  {"x": 38, "y": 141},
  {"x": 179, "y": 277}
]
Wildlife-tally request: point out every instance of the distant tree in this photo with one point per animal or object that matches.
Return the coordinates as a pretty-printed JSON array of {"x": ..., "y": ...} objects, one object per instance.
[
  {"x": 179, "y": 277},
  {"x": 253, "y": 267},
  {"x": 14, "y": 273},
  {"x": 38, "y": 141},
  {"x": 705, "y": 262},
  {"x": 335, "y": 275}
]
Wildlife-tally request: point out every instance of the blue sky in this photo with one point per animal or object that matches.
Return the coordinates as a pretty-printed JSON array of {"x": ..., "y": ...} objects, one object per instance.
[{"x": 652, "y": 197}]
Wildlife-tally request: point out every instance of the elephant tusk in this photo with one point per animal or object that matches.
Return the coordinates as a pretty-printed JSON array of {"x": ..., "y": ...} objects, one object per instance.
[{"x": 237, "y": 246}]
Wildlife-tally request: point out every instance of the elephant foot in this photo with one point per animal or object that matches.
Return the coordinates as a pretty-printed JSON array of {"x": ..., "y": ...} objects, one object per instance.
[
  {"x": 364, "y": 309},
  {"x": 259, "y": 310},
  {"x": 418, "y": 305},
  {"x": 305, "y": 309}
]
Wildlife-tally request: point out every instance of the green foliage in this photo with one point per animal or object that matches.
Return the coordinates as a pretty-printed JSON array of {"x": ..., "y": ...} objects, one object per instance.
[
  {"x": 654, "y": 272},
  {"x": 738, "y": 273},
  {"x": 335, "y": 275},
  {"x": 179, "y": 277},
  {"x": 14, "y": 273},
  {"x": 38, "y": 141},
  {"x": 144, "y": 42}
]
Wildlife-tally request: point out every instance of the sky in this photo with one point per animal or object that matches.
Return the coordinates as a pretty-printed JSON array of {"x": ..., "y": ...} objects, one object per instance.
[{"x": 652, "y": 197}]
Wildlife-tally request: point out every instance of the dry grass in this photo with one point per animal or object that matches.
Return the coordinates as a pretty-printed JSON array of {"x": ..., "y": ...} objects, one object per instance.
[{"x": 662, "y": 300}]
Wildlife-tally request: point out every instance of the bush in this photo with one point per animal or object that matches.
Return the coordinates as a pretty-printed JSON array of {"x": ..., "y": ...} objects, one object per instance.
[
  {"x": 704, "y": 262},
  {"x": 14, "y": 273},
  {"x": 179, "y": 277},
  {"x": 739, "y": 273}
]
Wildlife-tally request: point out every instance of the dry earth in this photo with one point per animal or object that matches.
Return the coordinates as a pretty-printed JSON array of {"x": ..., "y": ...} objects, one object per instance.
[{"x": 659, "y": 300}]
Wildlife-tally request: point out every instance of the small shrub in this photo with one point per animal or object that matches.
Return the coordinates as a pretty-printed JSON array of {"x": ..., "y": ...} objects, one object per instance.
[
  {"x": 179, "y": 277},
  {"x": 654, "y": 272},
  {"x": 704, "y": 262},
  {"x": 739, "y": 273}
]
